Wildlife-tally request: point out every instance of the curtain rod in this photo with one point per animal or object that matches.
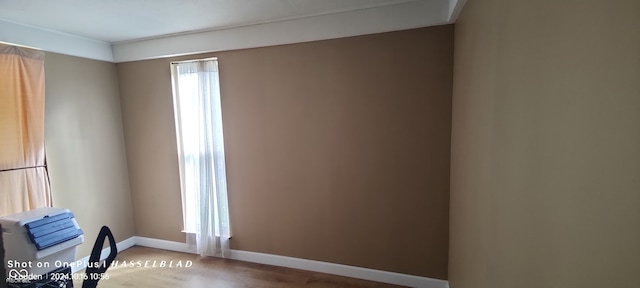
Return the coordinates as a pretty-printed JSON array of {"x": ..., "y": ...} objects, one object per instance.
[
  {"x": 196, "y": 60},
  {"x": 19, "y": 45},
  {"x": 23, "y": 168}
]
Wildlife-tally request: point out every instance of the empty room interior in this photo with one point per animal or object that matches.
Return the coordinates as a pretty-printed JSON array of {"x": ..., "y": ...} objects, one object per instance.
[{"x": 357, "y": 143}]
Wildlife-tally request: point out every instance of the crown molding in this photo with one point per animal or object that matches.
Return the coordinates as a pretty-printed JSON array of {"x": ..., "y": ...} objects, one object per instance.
[
  {"x": 455, "y": 7},
  {"x": 54, "y": 41},
  {"x": 379, "y": 19},
  {"x": 402, "y": 16}
]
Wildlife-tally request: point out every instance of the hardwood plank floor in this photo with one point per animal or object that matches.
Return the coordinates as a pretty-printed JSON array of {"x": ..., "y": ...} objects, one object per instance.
[{"x": 213, "y": 272}]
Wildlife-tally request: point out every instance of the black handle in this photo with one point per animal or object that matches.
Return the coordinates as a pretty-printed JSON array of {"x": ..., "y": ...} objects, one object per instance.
[{"x": 94, "y": 271}]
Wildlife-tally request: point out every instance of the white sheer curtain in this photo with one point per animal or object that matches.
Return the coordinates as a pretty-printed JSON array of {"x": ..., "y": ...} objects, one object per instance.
[{"x": 196, "y": 98}]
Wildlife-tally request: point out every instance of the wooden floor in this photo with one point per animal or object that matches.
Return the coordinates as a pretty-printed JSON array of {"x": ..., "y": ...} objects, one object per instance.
[{"x": 214, "y": 272}]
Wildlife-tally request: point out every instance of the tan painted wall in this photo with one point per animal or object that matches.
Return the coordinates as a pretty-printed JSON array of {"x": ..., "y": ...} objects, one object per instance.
[
  {"x": 545, "y": 171},
  {"x": 85, "y": 146},
  {"x": 336, "y": 150}
]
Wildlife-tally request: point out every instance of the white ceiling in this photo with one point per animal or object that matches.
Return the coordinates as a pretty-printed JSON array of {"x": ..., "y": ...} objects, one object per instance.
[
  {"x": 125, "y": 20},
  {"x": 124, "y": 26}
]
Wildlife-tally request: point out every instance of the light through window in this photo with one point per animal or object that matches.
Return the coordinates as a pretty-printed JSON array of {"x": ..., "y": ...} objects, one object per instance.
[{"x": 198, "y": 115}]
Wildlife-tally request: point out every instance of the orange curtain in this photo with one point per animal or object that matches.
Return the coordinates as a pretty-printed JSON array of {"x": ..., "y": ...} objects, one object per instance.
[{"x": 24, "y": 182}]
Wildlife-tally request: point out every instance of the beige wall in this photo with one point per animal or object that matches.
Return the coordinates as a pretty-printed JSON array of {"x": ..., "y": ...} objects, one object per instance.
[
  {"x": 85, "y": 146},
  {"x": 545, "y": 170},
  {"x": 336, "y": 150}
]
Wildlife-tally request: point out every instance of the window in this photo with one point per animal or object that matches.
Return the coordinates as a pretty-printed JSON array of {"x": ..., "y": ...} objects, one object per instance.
[{"x": 198, "y": 115}]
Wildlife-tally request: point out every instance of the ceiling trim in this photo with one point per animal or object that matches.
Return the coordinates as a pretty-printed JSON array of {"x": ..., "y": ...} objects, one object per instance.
[
  {"x": 401, "y": 16},
  {"x": 345, "y": 24},
  {"x": 455, "y": 7},
  {"x": 54, "y": 41}
]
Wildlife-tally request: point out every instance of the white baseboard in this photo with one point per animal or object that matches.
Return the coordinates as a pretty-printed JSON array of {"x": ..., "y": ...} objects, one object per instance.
[
  {"x": 283, "y": 261},
  {"x": 339, "y": 269},
  {"x": 309, "y": 265},
  {"x": 122, "y": 245},
  {"x": 165, "y": 245}
]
